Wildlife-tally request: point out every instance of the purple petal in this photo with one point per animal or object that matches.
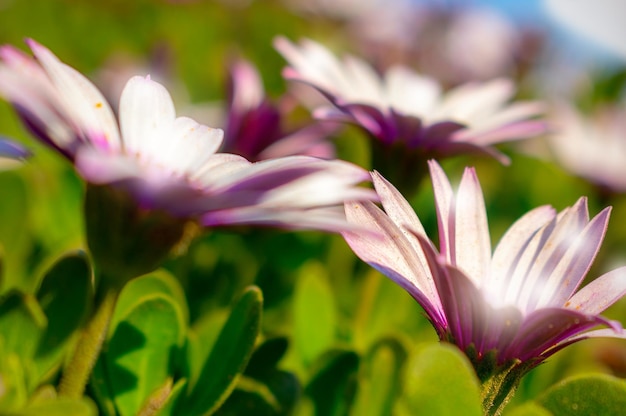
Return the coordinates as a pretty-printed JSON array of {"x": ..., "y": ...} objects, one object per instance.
[
  {"x": 387, "y": 250},
  {"x": 12, "y": 150},
  {"x": 546, "y": 328},
  {"x": 598, "y": 295}
]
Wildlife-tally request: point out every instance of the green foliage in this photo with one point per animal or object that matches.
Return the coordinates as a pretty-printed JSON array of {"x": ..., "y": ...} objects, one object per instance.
[
  {"x": 586, "y": 396},
  {"x": 333, "y": 383},
  {"x": 314, "y": 332},
  {"x": 380, "y": 381},
  {"x": 35, "y": 330},
  {"x": 65, "y": 295},
  {"x": 440, "y": 380},
  {"x": 228, "y": 357}
]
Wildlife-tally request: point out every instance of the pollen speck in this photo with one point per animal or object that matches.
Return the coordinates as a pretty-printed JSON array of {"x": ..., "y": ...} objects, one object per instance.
[{"x": 99, "y": 105}]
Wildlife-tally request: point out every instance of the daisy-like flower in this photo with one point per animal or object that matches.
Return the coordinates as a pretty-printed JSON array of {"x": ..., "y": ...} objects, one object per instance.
[
  {"x": 592, "y": 147},
  {"x": 153, "y": 172},
  {"x": 254, "y": 127},
  {"x": 409, "y": 114},
  {"x": 11, "y": 154},
  {"x": 508, "y": 311}
]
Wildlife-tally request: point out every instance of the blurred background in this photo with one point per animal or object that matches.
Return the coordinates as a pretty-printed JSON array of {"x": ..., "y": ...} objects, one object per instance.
[{"x": 572, "y": 58}]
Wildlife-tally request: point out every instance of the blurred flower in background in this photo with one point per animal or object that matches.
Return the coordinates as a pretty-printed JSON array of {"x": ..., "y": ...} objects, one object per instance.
[
  {"x": 255, "y": 127},
  {"x": 409, "y": 115},
  {"x": 508, "y": 311},
  {"x": 591, "y": 146},
  {"x": 341, "y": 9},
  {"x": 453, "y": 44}
]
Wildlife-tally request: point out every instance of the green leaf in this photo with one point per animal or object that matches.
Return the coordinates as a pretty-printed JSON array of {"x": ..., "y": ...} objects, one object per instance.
[
  {"x": 13, "y": 381},
  {"x": 333, "y": 383},
  {"x": 65, "y": 295},
  {"x": 101, "y": 388},
  {"x": 279, "y": 390},
  {"x": 441, "y": 381},
  {"x": 528, "y": 409},
  {"x": 159, "y": 281},
  {"x": 59, "y": 407},
  {"x": 314, "y": 313},
  {"x": 22, "y": 323},
  {"x": 200, "y": 340},
  {"x": 586, "y": 395},
  {"x": 379, "y": 384},
  {"x": 378, "y": 296},
  {"x": 229, "y": 356},
  {"x": 251, "y": 397},
  {"x": 266, "y": 357},
  {"x": 141, "y": 351},
  {"x": 13, "y": 230}
]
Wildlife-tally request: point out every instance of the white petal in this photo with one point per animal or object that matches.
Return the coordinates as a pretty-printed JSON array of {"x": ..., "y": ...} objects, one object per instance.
[
  {"x": 575, "y": 263},
  {"x": 189, "y": 146},
  {"x": 469, "y": 103},
  {"x": 104, "y": 168},
  {"x": 444, "y": 203},
  {"x": 411, "y": 93},
  {"x": 219, "y": 168},
  {"x": 518, "y": 277},
  {"x": 400, "y": 212},
  {"x": 146, "y": 117},
  {"x": 570, "y": 223},
  {"x": 509, "y": 249},
  {"x": 82, "y": 101},
  {"x": 472, "y": 241}
]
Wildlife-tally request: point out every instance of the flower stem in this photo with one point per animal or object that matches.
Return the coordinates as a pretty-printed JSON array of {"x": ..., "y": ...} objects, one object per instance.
[
  {"x": 76, "y": 374},
  {"x": 498, "y": 389}
]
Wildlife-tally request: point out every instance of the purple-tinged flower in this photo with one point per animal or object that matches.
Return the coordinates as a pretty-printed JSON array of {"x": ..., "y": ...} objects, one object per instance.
[
  {"x": 408, "y": 113},
  {"x": 153, "y": 171},
  {"x": 254, "y": 127},
  {"x": 343, "y": 10},
  {"x": 11, "y": 154},
  {"x": 508, "y": 311},
  {"x": 406, "y": 107}
]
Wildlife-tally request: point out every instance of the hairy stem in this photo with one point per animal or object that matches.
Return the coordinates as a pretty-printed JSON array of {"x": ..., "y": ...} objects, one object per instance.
[{"x": 76, "y": 374}]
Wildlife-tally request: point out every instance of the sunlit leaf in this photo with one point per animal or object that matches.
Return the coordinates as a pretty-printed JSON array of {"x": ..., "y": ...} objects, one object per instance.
[
  {"x": 229, "y": 356},
  {"x": 379, "y": 383},
  {"x": 59, "y": 407},
  {"x": 142, "y": 348},
  {"x": 22, "y": 324},
  {"x": 440, "y": 380},
  {"x": 314, "y": 313},
  {"x": 586, "y": 395}
]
